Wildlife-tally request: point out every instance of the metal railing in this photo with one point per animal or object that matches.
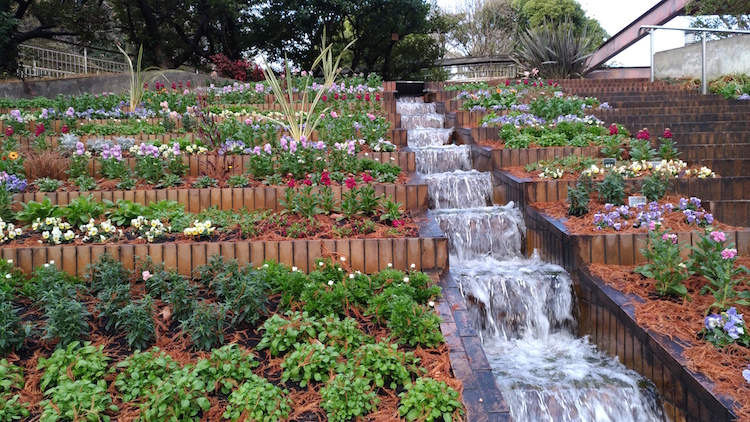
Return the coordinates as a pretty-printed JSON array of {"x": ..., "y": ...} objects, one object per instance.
[
  {"x": 476, "y": 68},
  {"x": 703, "y": 31},
  {"x": 37, "y": 62}
]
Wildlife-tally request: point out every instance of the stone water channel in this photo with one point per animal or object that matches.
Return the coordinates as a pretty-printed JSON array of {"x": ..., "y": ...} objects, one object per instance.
[{"x": 523, "y": 307}]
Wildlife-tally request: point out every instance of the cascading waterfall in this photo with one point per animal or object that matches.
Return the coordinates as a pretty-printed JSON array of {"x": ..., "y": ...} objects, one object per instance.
[{"x": 522, "y": 307}]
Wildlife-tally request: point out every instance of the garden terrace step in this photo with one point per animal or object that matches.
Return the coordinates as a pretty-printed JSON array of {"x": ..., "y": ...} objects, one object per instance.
[
  {"x": 240, "y": 164},
  {"x": 687, "y": 117},
  {"x": 711, "y": 138},
  {"x": 691, "y": 153},
  {"x": 413, "y": 196},
  {"x": 727, "y": 166},
  {"x": 557, "y": 245},
  {"x": 429, "y": 252},
  {"x": 732, "y": 212},
  {"x": 689, "y": 127}
]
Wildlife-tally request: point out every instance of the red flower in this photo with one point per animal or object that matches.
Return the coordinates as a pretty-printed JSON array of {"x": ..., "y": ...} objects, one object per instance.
[
  {"x": 9, "y": 131},
  {"x": 549, "y": 83},
  {"x": 367, "y": 178},
  {"x": 188, "y": 83},
  {"x": 180, "y": 84},
  {"x": 145, "y": 85},
  {"x": 377, "y": 97},
  {"x": 359, "y": 96},
  {"x": 398, "y": 223},
  {"x": 613, "y": 130},
  {"x": 555, "y": 85},
  {"x": 367, "y": 96},
  {"x": 174, "y": 85},
  {"x": 64, "y": 129},
  {"x": 324, "y": 98},
  {"x": 336, "y": 96},
  {"x": 351, "y": 183},
  {"x": 534, "y": 84},
  {"x": 525, "y": 81},
  {"x": 507, "y": 82},
  {"x": 325, "y": 178},
  {"x": 643, "y": 134},
  {"x": 290, "y": 183},
  {"x": 307, "y": 182},
  {"x": 39, "y": 129},
  {"x": 667, "y": 134},
  {"x": 343, "y": 97}
]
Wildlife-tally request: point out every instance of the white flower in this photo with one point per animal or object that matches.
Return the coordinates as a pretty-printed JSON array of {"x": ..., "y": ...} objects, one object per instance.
[
  {"x": 330, "y": 282},
  {"x": 46, "y": 265},
  {"x": 351, "y": 276},
  {"x": 390, "y": 265},
  {"x": 413, "y": 266},
  {"x": 431, "y": 303},
  {"x": 406, "y": 279},
  {"x": 294, "y": 269},
  {"x": 10, "y": 261},
  {"x": 8, "y": 276},
  {"x": 320, "y": 264},
  {"x": 343, "y": 259}
]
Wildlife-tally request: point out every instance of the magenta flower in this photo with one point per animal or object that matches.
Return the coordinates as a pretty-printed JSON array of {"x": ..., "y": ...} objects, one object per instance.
[
  {"x": 351, "y": 183},
  {"x": 718, "y": 236}
]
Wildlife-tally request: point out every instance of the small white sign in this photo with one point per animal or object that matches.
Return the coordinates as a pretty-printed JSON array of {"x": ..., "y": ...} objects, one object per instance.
[
  {"x": 609, "y": 162},
  {"x": 633, "y": 201}
]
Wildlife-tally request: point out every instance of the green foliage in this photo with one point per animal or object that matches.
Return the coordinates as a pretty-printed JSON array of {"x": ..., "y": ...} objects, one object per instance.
[
  {"x": 46, "y": 184},
  {"x": 85, "y": 183},
  {"x": 258, "y": 400},
  {"x": 80, "y": 210},
  {"x": 414, "y": 324},
  {"x": 281, "y": 334},
  {"x": 41, "y": 210},
  {"x": 348, "y": 397},
  {"x": 612, "y": 147},
  {"x": 205, "y": 182},
  {"x": 206, "y": 325},
  {"x": 73, "y": 398},
  {"x": 142, "y": 371},
  {"x": 391, "y": 210},
  {"x": 76, "y": 362},
  {"x": 179, "y": 398},
  {"x": 383, "y": 365},
  {"x": 65, "y": 319},
  {"x": 665, "y": 264},
  {"x": 105, "y": 272},
  {"x": 668, "y": 150},
  {"x": 228, "y": 367},
  {"x": 137, "y": 321},
  {"x": 238, "y": 181},
  {"x": 310, "y": 362},
  {"x": 557, "y": 50},
  {"x": 429, "y": 400},
  {"x": 304, "y": 202},
  {"x": 11, "y": 278},
  {"x": 12, "y": 332},
  {"x": 123, "y": 211},
  {"x": 11, "y": 381},
  {"x": 170, "y": 180},
  {"x": 641, "y": 150},
  {"x": 612, "y": 188},
  {"x": 656, "y": 185},
  {"x": 578, "y": 200}
]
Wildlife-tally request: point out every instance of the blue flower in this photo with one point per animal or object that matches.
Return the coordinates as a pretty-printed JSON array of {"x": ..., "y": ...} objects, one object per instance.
[{"x": 746, "y": 373}]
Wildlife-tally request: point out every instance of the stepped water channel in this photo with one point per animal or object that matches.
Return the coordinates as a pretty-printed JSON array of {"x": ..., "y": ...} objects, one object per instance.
[{"x": 523, "y": 308}]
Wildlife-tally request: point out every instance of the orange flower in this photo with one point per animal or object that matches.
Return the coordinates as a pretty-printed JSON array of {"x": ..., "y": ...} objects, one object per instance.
[{"x": 13, "y": 155}]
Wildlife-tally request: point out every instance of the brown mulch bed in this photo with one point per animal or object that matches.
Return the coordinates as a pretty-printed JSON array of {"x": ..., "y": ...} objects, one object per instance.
[
  {"x": 585, "y": 224},
  {"x": 681, "y": 320},
  {"x": 171, "y": 340}
]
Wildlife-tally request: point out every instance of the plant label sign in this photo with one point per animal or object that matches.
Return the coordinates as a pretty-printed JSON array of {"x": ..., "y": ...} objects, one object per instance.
[
  {"x": 609, "y": 162},
  {"x": 634, "y": 201}
]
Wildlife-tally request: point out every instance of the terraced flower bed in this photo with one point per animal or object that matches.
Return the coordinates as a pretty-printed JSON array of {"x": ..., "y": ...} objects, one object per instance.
[{"x": 228, "y": 343}]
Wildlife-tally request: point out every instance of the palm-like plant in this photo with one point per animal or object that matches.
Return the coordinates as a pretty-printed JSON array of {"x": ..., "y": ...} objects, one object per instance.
[
  {"x": 138, "y": 77},
  {"x": 557, "y": 50},
  {"x": 302, "y": 124}
]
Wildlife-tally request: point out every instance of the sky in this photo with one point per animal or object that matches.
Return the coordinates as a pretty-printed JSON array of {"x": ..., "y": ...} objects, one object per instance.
[{"x": 614, "y": 16}]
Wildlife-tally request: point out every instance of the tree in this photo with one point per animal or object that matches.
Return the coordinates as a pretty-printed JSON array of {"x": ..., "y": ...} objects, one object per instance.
[
  {"x": 484, "y": 28},
  {"x": 24, "y": 20},
  {"x": 534, "y": 13},
  {"x": 176, "y": 32},
  {"x": 724, "y": 14}
]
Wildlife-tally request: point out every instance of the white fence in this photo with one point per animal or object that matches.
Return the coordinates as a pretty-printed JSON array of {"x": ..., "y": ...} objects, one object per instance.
[{"x": 36, "y": 62}]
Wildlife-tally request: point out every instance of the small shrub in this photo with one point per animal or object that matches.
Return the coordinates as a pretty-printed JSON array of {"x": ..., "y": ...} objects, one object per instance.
[
  {"x": 414, "y": 324},
  {"x": 309, "y": 362},
  {"x": 71, "y": 399},
  {"x": 641, "y": 150},
  {"x": 429, "y": 400},
  {"x": 258, "y": 400},
  {"x": 228, "y": 367},
  {"x": 348, "y": 397},
  {"x": 656, "y": 185},
  {"x": 612, "y": 188},
  {"x": 137, "y": 321},
  {"x": 179, "y": 398},
  {"x": 12, "y": 332},
  {"x": 665, "y": 265},
  {"x": 75, "y": 362},
  {"x": 47, "y": 184},
  {"x": 383, "y": 365},
  {"x": 65, "y": 320},
  {"x": 142, "y": 371},
  {"x": 280, "y": 334},
  {"x": 578, "y": 200},
  {"x": 206, "y": 325}
]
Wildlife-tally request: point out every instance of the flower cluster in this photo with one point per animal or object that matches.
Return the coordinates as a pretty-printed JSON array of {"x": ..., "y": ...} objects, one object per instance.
[
  {"x": 93, "y": 232},
  {"x": 642, "y": 215},
  {"x": 144, "y": 150},
  {"x": 200, "y": 229},
  {"x": 195, "y": 149},
  {"x": 705, "y": 173},
  {"x": 13, "y": 183},
  {"x": 151, "y": 230},
  {"x": 523, "y": 119},
  {"x": 383, "y": 145},
  {"x": 551, "y": 173},
  {"x": 230, "y": 146},
  {"x": 114, "y": 153},
  {"x": 572, "y": 118},
  {"x": 54, "y": 230},
  {"x": 592, "y": 171},
  {"x": 8, "y": 231},
  {"x": 612, "y": 217},
  {"x": 725, "y": 328},
  {"x": 81, "y": 150}
]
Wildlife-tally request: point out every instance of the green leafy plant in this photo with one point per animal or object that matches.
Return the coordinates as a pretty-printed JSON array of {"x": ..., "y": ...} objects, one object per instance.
[
  {"x": 656, "y": 185},
  {"x": 170, "y": 180},
  {"x": 12, "y": 332},
  {"x": 46, "y": 184},
  {"x": 383, "y": 365},
  {"x": 127, "y": 182},
  {"x": 641, "y": 150},
  {"x": 612, "y": 147},
  {"x": 557, "y": 49},
  {"x": 668, "y": 149},
  {"x": 578, "y": 200},
  {"x": 80, "y": 210},
  {"x": 612, "y": 188},
  {"x": 137, "y": 321},
  {"x": 228, "y": 367},
  {"x": 123, "y": 211},
  {"x": 665, "y": 264},
  {"x": 142, "y": 371},
  {"x": 179, "y": 398},
  {"x": 415, "y": 324},
  {"x": 38, "y": 210},
  {"x": 71, "y": 399},
  {"x": 716, "y": 262},
  {"x": 75, "y": 362},
  {"x": 65, "y": 319},
  {"x": 11, "y": 381},
  {"x": 429, "y": 400},
  {"x": 281, "y": 334},
  {"x": 258, "y": 400},
  {"x": 348, "y": 397},
  {"x": 206, "y": 325},
  {"x": 238, "y": 181},
  {"x": 138, "y": 78},
  {"x": 85, "y": 183},
  {"x": 310, "y": 362},
  {"x": 205, "y": 182}
]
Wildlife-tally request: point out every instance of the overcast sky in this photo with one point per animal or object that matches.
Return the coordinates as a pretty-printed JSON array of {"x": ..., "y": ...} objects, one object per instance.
[{"x": 614, "y": 16}]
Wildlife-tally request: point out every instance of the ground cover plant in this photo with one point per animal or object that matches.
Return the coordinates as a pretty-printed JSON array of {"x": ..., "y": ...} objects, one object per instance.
[{"x": 229, "y": 343}]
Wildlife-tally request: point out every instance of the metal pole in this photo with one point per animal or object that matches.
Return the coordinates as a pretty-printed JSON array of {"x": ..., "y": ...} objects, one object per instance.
[
  {"x": 704, "y": 71},
  {"x": 651, "y": 32},
  {"x": 85, "y": 61}
]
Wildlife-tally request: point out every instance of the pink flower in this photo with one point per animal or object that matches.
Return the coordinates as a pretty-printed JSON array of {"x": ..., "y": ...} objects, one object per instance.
[
  {"x": 652, "y": 225},
  {"x": 324, "y": 98},
  {"x": 307, "y": 182},
  {"x": 334, "y": 115},
  {"x": 351, "y": 183},
  {"x": 367, "y": 178},
  {"x": 367, "y": 96},
  {"x": 146, "y": 275},
  {"x": 398, "y": 223},
  {"x": 290, "y": 183},
  {"x": 667, "y": 134},
  {"x": 643, "y": 134},
  {"x": 718, "y": 236},
  {"x": 613, "y": 130},
  {"x": 325, "y": 178},
  {"x": 371, "y": 117},
  {"x": 9, "y": 131},
  {"x": 64, "y": 129},
  {"x": 507, "y": 82},
  {"x": 728, "y": 253}
]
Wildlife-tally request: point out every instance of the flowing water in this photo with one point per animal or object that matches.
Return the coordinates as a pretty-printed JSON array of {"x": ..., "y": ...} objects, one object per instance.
[{"x": 522, "y": 307}]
